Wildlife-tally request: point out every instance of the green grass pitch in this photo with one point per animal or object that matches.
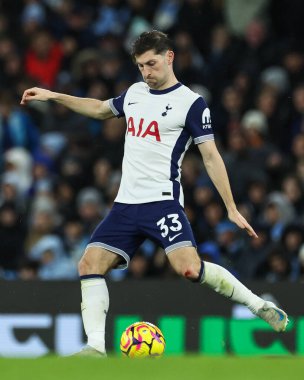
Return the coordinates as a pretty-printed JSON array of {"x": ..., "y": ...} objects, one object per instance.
[{"x": 167, "y": 368}]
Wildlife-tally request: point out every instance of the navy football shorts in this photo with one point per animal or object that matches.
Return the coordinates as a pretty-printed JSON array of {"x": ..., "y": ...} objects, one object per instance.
[{"x": 128, "y": 225}]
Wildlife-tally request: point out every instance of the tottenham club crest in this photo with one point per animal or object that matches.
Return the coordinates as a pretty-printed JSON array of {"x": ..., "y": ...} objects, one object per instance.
[
  {"x": 168, "y": 108},
  {"x": 206, "y": 119}
]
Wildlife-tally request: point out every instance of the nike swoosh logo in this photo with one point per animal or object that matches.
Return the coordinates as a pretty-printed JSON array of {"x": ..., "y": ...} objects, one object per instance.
[
  {"x": 130, "y": 103},
  {"x": 281, "y": 315},
  {"x": 173, "y": 237}
]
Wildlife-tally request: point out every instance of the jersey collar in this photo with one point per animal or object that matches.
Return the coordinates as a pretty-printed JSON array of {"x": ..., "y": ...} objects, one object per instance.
[{"x": 166, "y": 90}]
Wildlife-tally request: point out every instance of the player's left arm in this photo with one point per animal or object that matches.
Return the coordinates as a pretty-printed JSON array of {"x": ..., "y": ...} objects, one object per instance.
[{"x": 217, "y": 172}]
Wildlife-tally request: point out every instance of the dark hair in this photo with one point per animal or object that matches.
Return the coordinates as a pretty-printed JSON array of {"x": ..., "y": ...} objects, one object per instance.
[{"x": 152, "y": 40}]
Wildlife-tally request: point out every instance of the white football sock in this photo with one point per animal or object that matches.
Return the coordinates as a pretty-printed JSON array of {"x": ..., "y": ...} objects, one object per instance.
[
  {"x": 224, "y": 283},
  {"x": 94, "y": 308}
]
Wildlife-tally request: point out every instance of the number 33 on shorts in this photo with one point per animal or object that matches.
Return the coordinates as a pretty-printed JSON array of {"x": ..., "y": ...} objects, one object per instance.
[{"x": 170, "y": 223}]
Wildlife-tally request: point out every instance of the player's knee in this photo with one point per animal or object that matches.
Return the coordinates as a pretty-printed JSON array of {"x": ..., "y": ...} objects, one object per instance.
[
  {"x": 190, "y": 272},
  {"x": 193, "y": 272},
  {"x": 186, "y": 265}
]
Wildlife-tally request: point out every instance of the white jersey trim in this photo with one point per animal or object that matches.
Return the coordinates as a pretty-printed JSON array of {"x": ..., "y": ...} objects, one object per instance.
[
  {"x": 113, "y": 109},
  {"x": 201, "y": 139}
]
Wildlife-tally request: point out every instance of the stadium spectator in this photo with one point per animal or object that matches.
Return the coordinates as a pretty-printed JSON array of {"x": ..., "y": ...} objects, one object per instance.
[
  {"x": 270, "y": 104},
  {"x": 254, "y": 253},
  {"x": 297, "y": 125},
  {"x": 112, "y": 18},
  {"x": 276, "y": 267},
  {"x": 43, "y": 59},
  {"x": 278, "y": 212},
  {"x": 259, "y": 49},
  {"x": 211, "y": 216},
  {"x": 74, "y": 237},
  {"x": 43, "y": 220},
  {"x": 53, "y": 262},
  {"x": 257, "y": 196},
  {"x": 16, "y": 127},
  {"x": 292, "y": 239},
  {"x": 11, "y": 191},
  {"x": 33, "y": 16},
  {"x": 238, "y": 14},
  {"x": 90, "y": 208},
  {"x": 230, "y": 245},
  {"x": 228, "y": 113},
  {"x": 240, "y": 165},
  {"x": 109, "y": 142},
  {"x": 18, "y": 161},
  {"x": 189, "y": 61},
  {"x": 222, "y": 60},
  {"x": 198, "y": 18},
  {"x": 139, "y": 268},
  {"x": 265, "y": 156},
  {"x": 293, "y": 62},
  {"x": 28, "y": 270},
  {"x": 12, "y": 235},
  {"x": 293, "y": 189}
]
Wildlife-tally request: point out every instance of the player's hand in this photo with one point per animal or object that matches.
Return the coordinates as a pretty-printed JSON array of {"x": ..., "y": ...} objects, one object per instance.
[
  {"x": 240, "y": 221},
  {"x": 36, "y": 93}
]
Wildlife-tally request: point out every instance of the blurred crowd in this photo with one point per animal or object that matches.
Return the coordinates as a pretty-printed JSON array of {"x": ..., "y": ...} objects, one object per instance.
[{"x": 60, "y": 171}]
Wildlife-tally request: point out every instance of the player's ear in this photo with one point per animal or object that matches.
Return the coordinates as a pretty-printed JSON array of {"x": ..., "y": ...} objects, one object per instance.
[{"x": 170, "y": 57}]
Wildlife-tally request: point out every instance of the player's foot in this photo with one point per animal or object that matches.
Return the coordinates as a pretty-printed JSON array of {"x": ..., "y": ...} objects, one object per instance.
[
  {"x": 276, "y": 317},
  {"x": 91, "y": 352}
]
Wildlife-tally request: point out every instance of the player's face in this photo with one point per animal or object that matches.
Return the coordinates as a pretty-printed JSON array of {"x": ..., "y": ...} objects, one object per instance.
[{"x": 155, "y": 68}]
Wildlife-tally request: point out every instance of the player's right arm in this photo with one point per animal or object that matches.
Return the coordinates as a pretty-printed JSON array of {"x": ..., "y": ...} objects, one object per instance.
[{"x": 94, "y": 108}]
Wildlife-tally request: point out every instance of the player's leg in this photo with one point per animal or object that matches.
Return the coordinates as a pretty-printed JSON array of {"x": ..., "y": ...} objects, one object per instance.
[
  {"x": 186, "y": 262},
  {"x": 167, "y": 223},
  {"x": 112, "y": 245},
  {"x": 94, "y": 264}
]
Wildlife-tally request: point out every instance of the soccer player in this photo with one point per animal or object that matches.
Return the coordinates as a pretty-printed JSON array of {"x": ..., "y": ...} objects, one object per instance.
[{"x": 163, "y": 117}]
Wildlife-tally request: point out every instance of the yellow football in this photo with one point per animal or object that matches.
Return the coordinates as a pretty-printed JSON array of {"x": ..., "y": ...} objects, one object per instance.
[{"x": 142, "y": 340}]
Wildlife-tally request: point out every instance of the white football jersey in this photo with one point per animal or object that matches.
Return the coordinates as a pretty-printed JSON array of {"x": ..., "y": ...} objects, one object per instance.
[{"x": 161, "y": 125}]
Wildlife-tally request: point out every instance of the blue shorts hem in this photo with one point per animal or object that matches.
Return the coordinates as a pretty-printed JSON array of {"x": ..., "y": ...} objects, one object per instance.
[
  {"x": 180, "y": 244},
  {"x": 110, "y": 248}
]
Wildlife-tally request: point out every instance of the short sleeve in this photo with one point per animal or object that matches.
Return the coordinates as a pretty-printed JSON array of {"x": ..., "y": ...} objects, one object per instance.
[
  {"x": 116, "y": 104},
  {"x": 198, "y": 122}
]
